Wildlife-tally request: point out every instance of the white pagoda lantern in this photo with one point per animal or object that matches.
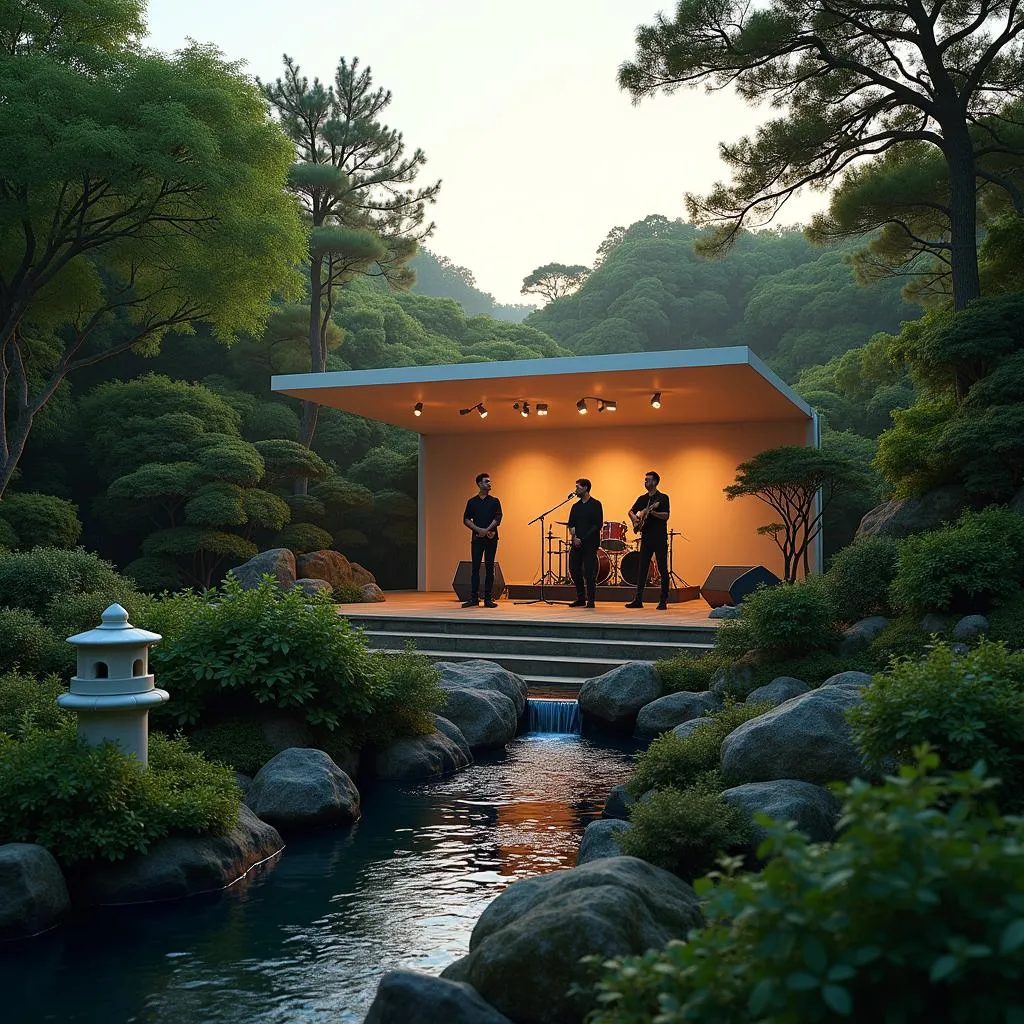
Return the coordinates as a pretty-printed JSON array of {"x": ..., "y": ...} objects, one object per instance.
[{"x": 112, "y": 692}]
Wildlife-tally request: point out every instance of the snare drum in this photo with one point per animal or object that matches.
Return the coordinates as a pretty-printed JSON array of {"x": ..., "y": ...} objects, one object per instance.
[{"x": 613, "y": 536}]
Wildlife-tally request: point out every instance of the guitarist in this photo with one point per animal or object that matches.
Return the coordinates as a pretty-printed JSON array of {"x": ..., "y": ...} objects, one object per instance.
[{"x": 649, "y": 516}]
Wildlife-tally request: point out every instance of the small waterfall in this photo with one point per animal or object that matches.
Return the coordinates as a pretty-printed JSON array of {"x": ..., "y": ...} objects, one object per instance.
[{"x": 553, "y": 716}]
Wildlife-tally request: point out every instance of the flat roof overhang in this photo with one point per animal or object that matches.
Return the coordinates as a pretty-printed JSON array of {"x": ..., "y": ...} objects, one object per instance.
[{"x": 709, "y": 385}]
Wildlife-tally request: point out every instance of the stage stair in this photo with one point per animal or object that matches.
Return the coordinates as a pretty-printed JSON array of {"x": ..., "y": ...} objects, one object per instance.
[{"x": 554, "y": 658}]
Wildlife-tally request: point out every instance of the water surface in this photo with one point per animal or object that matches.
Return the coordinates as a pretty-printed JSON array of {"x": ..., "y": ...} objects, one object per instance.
[{"x": 308, "y": 938}]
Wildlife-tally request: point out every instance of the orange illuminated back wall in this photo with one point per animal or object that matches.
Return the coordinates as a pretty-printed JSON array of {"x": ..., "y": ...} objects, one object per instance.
[{"x": 533, "y": 471}]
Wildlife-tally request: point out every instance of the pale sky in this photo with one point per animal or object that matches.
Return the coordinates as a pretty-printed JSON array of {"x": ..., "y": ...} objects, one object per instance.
[{"x": 516, "y": 107}]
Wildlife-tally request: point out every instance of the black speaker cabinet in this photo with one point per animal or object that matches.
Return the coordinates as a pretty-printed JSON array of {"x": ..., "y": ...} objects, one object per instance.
[
  {"x": 463, "y": 575},
  {"x": 729, "y": 584}
]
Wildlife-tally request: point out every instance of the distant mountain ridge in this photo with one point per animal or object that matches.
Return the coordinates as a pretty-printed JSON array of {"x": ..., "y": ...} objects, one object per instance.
[{"x": 439, "y": 277}]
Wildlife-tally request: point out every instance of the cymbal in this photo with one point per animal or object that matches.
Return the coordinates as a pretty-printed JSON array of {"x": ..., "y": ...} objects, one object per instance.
[{"x": 561, "y": 522}]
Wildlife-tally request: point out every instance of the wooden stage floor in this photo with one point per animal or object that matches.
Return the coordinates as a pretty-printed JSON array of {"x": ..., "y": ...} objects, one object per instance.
[{"x": 444, "y": 604}]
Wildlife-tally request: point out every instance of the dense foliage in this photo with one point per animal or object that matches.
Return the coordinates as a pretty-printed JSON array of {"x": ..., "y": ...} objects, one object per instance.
[
  {"x": 858, "y": 578},
  {"x": 915, "y": 913},
  {"x": 968, "y": 709},
  {"x": 85, "y": 803}
]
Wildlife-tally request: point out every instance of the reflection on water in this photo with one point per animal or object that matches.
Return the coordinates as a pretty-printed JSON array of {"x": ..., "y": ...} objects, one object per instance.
[{"x": 307, "y": 939}]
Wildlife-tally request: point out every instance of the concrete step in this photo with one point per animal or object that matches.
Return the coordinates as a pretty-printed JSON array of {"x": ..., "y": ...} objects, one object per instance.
[{"x": 486, "y": 645}]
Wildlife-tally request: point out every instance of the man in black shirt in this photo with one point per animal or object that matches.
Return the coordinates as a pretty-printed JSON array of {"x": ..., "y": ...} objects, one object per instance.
[
  {"x": 649, "y": 515},
  {"x": 585, "y": 520},
  {"x": 483, "y": 513}
]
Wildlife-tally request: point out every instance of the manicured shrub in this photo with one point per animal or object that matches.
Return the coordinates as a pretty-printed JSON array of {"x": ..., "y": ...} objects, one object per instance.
[
  {"x": 301, "y": 538},
  {"x": 914, "y": 914},
  {"x": 407, "y": 693},
  {"x": 901, "y": 638},
  {"x": 348, "y": 593},
  {"x": 36, "y": 579},
  {"x": 28, "y": 644},
  {"x": 814, "y": 668},
  {"x": 685, "y": 831},
  {"x": 687, "y": 673},
  {"x": 781, "y": 622},
  {"x": 75, "y": 613},
  {"x": 41, "y": 520},
  {"x": 680, "y": 762},
  {"x": 85, "y": 803},
  {"x": 968, "y": 709},
  {"x": 858, "y": 579},
  {"x": 28, "y": 703},
  {"x": 237, "y": 743},
  {"x": 235, "y": 653},
  {"x": 961, "y": 568}
]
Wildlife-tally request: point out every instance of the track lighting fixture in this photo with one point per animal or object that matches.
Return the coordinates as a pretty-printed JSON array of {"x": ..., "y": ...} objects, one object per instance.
[
  {"x": 542, "y": 408},
  {"x": 656, "y": 400},
  {"x": 581, "y": 407},
  {"x": 610, "y": 406},
  {"x": 417, "y": 409},
  {"x": 523, "y": 408},
  {"x": 479, "y": 407},
  {"x": 603, "y": 404}
]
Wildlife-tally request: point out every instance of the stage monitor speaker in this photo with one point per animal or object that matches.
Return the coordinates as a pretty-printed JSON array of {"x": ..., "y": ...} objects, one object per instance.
[
  {"x": 463, "y": 575},
  {"x": 729, "y": 584}
]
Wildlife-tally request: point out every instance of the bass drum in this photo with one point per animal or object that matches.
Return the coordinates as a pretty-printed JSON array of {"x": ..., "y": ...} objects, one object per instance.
[
  {"x": 604, "y": 568},
  {"x": 629, "y": 569}
]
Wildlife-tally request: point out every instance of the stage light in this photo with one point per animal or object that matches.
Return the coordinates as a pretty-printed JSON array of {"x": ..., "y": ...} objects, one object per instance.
[
  {"x": 581, "y": 407},
  {"x": 479, "y": 407},
  {"x": 526, "y": 409},
  {"x": 542, "y": 408},
  {"x": 611, "y": 405},
  {"x": 656, "y": 400},
  {"x": 417, "y": 409},
  {"x": 600, "y": 405},
  {"x": 482, "y": 411}
]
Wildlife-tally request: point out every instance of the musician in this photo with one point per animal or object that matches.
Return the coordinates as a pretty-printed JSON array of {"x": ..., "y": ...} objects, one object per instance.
[
  {"x": 585, "y": 520},
  {"x": 649, "y": 516},
  {"x": 483, "y": 513}
]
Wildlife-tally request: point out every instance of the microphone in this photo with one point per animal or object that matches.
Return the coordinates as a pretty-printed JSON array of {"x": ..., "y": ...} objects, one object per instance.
[{"x": 572, "y": 494}]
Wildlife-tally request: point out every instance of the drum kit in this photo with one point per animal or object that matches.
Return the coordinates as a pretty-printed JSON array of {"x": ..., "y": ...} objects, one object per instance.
[{"x": 618, "y": 557}]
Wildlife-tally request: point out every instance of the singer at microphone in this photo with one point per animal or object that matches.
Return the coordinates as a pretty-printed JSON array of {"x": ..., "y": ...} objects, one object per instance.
[{"x": 585, "y": 520}]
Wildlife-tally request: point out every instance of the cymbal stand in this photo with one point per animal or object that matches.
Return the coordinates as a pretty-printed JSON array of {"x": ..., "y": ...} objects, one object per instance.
[
  {"x": 543, "y": 599},
  {"x": 675, "y": 580}
]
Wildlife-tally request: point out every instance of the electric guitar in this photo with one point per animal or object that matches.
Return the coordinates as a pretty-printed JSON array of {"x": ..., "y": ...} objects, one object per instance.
[{"x": 641, "y": 517}]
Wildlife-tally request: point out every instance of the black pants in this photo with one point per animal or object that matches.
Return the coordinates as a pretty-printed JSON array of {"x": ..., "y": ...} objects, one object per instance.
[
  {"x": 583, "y": 570},
  {"x": 487, "y": 547},
  {"x": 658, "y": 547}
]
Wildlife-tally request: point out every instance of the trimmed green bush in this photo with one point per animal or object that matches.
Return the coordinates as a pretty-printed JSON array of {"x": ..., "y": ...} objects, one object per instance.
[
  {"x": 27, "y": 643},
  {"x": 84, "y": 803},
  {"x": 962, "y": 568},
  {"x": 685, "y": 831},
  {"x": 858, "y": 579},
  {"x": 681, "y": 762},
  {"x": 968, "y": 709},
  {"x": 901, "y": 638},
  {"x": 28, "y": 703},
  {"x": 785, "y": 621},
  {"x": 234, "y": 653},
  {"x": 39, "y": 578},
  {"x": 75, "y": 613},
  {"x": 41, "y": 520},
  {"x": 687, "y": 673},
  {"x": 348, "y": 593},
  {"x": 236, "y": 743},
  {"x": 916, "y": 913}
]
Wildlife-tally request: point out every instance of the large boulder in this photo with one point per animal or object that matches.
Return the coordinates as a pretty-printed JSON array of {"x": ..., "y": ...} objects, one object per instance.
[
  {"x": 618, "y": 804},
  {"x": 600, "y": 840},
  {"x": 735, "y": 680},
  {"x": 616, "y": 697},
  {"x": 408, "y": 997},
  {"x": 424, "y": 757},
  {"x": 858, "y": 637},
  {"x": 361, "y": 576},
  {"x": 778, "y": 691},
  {"x": 857, "y": 680},
  {"x": 813, "y": 809},
  {"x": 970, "y": 627},
  {"x": 667, "y": 712},
  {"x": 179, "y": 865},
  {"x": 33, "y": 894},
  {"x": 806, "y": 738},
  {"x": 326, "y": 564},
  {"x": 684, "y": 729},
  {"x": 486, "y": 718},
  {"x": 525, "y": 951},
  {"x": 478, "y": 674},
  {"x": 303, "y": 788},
  {"x": 903, "y": 516},
  {"x": 369, "y": 593},
  {"x": 276, "y": 562}
]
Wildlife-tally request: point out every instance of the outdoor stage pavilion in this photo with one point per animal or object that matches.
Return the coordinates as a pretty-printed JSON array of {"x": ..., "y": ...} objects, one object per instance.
[{"x": 691, "y": 415}]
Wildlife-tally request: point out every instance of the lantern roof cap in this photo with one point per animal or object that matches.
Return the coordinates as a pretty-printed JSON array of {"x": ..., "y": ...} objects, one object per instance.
[{"x": 114, "y": 631}]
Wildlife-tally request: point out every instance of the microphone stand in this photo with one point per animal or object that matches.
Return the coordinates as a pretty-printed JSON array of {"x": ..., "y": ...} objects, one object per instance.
[{"x": 543, "y": 575}]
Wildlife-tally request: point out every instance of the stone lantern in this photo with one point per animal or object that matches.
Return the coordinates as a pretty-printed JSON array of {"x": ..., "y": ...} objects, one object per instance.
[{"x": 112, "y": 692}]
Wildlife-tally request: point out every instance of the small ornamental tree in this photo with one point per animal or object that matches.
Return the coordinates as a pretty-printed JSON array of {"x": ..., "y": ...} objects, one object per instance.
[{"x": 788, "y": 479}]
